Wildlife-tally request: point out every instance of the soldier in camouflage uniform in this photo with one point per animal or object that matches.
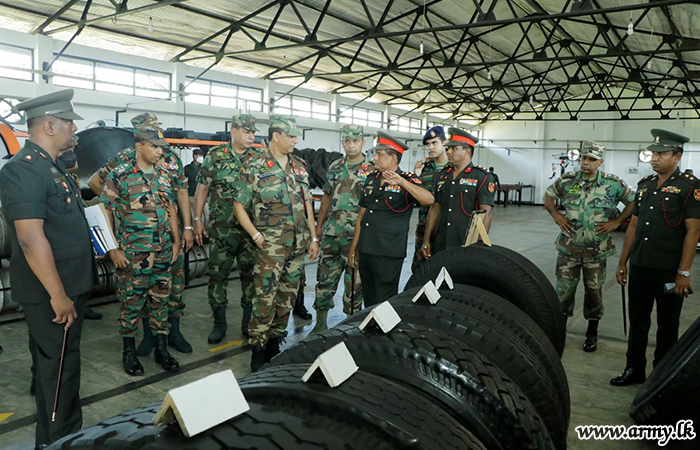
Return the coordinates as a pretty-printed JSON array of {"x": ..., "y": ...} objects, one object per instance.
[
  {"x": 590, "y": 198},
  {"x": 228, "y": 241},
  {"x": 336, "y": 223},
  {"x": 275, "y": 188},
  {"x": 139, "y": 194},
  {"x": 171, "y": 162},
  {"x": 427, "y": 169}
]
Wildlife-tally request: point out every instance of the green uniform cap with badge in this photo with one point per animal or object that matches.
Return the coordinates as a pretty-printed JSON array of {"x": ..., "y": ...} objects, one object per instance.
[
  {"x": 284, "y": 123},
  {"x": 245, "y": 121},
  {"x": 459, "y": 137},
  {"x": 58, "y": 104},
  {"x": 146, "y": 126},
  {"x": 665, "y": 141},
  {"x": 351, "y": 132},
  {"x": 593, "y": 150}
]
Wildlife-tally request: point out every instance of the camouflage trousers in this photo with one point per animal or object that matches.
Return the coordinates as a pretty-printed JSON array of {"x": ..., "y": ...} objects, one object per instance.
[
  {"x": 227, "y": 245},
  {"x": 568, "y": 275},
  {"x": 333, "y": 262},
  {"x": 144, "y": 284},
  {"x": 176, "y": 305},
  {"x": 277, "y": 275}
]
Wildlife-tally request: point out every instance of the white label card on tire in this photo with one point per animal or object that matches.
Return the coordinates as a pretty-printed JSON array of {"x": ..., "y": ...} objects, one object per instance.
[
  {"x": 203, "y": 404},
  {"x": 430, "y": 291},
  {"x": 336, "y": 364},
  {"x": 444, "y": 277},
  {"x": 385, "y": 315}
]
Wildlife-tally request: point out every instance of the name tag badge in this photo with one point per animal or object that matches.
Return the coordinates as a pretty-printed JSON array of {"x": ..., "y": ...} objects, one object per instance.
[{"x": 262, "y": 176}]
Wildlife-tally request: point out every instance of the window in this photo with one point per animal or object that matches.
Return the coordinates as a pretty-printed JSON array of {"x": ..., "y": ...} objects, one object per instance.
[
  {"x": 107, "y": 77},
  {"x": 361, "y": 116},
  {"x": 224, "y": 95},
  {"x": 406, "y": 124},
  {"x": 298, "y": 106},
  {"x": 438, "y": 124},
  {"x": 16, "y": 62}
]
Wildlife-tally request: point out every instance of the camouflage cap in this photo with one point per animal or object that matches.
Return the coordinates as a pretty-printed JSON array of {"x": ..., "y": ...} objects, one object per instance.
[
  {"x": 57, "y": 104},
  {"x": 246, "y": 121},
  {"x": 593, "y": 149},
  {"x": 284, "y": 123},
  {"x": 351, "y": 132},
  {"x": 146, "y": 126}
]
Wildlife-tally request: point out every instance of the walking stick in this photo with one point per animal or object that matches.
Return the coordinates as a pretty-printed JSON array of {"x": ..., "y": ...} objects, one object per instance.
[
  {"x": 60, "y": 375},
  {"x": 352, "y": 292},
  {"x": 624, "y": 311}
]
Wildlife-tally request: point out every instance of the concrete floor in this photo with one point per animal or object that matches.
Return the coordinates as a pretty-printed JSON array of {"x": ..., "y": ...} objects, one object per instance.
[{"x": 107, "y": 391}]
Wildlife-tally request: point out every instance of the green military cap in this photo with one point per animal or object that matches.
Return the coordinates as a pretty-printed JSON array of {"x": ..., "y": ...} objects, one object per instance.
[
  {"x": 593, "y": 149},
  {"x": 666, "y": 140},
  {"x": 385, "y": 141},
  {"x": 246, "y": 121},
  {"x": 351, "y": 132},
  {"x": 57, "y": 104},
  {"x": 459, "y": 137},
  {"x": 284, "y": 123},
  {"x": 146, "y": 126}
]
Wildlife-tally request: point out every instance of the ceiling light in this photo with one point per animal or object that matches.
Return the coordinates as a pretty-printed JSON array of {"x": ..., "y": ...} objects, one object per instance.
[
  {"x": 488, "y": 74},
  {"x": 150, "y": 24},
  {"x": 421, "y": 47},
  {"x": 630, "y": 28}
]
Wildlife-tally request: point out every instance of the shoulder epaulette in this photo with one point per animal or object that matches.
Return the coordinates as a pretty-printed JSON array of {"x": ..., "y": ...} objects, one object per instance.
[
  {"x": 645, "y": 179},
  {"x": 610, "y": 176},
  {"x": 483, "y": 169},
  {"x": 569, "y": 175},
  {"x": 300, "y": 160},
  {"x": 688, "y": 177},
  {"x": 28, "y": 158}
]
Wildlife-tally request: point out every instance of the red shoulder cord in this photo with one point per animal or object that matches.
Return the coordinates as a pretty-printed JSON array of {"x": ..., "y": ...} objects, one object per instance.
[
  {"x": 476, "y": 205},
  {"x": 663, "y": 204}
]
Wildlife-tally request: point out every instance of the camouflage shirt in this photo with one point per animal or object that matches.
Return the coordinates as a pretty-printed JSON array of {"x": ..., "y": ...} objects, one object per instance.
[
  {"x": 140, "y": 202},
  {"x": 275, "y": 197},
  {"x": 170, "y": 161},
  {"x": 344, "y": 186},
  {"x": 220, "y": 171},
  {"x": 429, "y": 178},
  {"x": 587, "y": 204}
]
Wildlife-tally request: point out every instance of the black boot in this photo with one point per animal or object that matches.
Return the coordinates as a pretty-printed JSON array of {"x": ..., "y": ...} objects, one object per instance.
[
  {"x": 176, "y": 339},
  {"x": 162, "y": 354},
  {"x": 146, "y": 346},
  {"x": 591, "y": 343},
  {"x": 131, "y": 363},
  {"x": 219, "y": 331},
  {"x": 299, "y": 308},
  {"x": 89, "y": 314},
  {"x": 245, "y": 320},
  {"x": 272, "y": 348},
  {"x": 629, "y": 376},
  {"x": 258, "y": 359}
]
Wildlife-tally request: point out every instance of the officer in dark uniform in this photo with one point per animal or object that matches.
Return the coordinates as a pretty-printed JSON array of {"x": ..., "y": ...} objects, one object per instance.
[
  {"x": 52, "y": 268},
  {"x": 461, "y": 189},
  {"x": 660, "y": 244},
  {"x": 381, "y": 231}
]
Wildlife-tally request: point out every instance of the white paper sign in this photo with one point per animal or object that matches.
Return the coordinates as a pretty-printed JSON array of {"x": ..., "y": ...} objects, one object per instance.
[
  {"x": 336, "y": 364},
  {"x": 203, "y": 404},
  {"x": 96, "y": 216},
  {"x": 430, "y": 292},
  {"x": 444, "y": 276},
  {"x": 385, "y": 315}
]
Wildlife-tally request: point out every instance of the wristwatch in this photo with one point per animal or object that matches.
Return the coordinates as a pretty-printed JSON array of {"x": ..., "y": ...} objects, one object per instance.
[
  {"x": 196, "y": 218},
  {"x": 189, "y": 228},
  {"x": 684, "y": 273},
  {"x": 315, "y": 240}
]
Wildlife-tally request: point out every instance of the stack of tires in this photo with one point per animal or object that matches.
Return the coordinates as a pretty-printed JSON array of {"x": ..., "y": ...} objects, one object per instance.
[{"x": 480, "y": 369}]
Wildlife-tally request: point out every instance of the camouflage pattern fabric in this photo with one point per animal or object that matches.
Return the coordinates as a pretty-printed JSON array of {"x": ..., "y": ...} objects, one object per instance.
[
  {"x": 274, "y": 195},
  {"x": 176, "y": 304},
  {"x": 144, "y": 284},
  {"x": 429, "y": 178},
  {"x": 344, "y": 186},
  {"x": 246, "y": 121},
  {"x": 351, "y": 132},
  {"x": 333, "y": 262},
  {"x": 587, "y": 204},
  {"x": 568, "y": 276},
  {"x": 286, "y": 124},
  {"x": 139, "y": 202},
  {"x": 230, "y": 244}
]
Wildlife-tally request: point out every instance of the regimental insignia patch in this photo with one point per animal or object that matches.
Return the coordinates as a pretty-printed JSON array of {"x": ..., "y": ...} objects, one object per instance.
[
  {"x": 492, "y": 187},
  {"x": 696, "y": 194}
]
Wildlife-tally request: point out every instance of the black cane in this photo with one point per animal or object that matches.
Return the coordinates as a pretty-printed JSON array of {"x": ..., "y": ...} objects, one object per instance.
[
  {"x": 352, "y": 292},
  {"x": 60, "y": 375},
  {"x": 624, "y": 310}
]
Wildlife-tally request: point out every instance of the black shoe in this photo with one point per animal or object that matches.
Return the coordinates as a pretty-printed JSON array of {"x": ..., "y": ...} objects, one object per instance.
[
  {"x": 41, "y": 446},
  {"x": 629, "y": 376},
  {"x": 163, "y": 356},
  {"x": 219, "y": 331},
  {"x": 272, "y": 348},
  {"x": 300, "y": 310},
  {"x": 89, "y": 314},
  {"x": 591, "y": 343},
  {"x": 130, "y": 362},
  {"x": 257, "y": 360},
  {"x": 176, "y": 339},
  {"x": 149, "y": 341}
]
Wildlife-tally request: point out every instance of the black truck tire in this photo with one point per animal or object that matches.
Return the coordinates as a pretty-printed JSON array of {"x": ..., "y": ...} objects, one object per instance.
[
  {"x": 672, "y": 390},
  {"x": 506, "y": 273},
  {"x": 502, "y": 345},
  {"x": 377, "y": 403},
  {"x": 460, "y": 380}
]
